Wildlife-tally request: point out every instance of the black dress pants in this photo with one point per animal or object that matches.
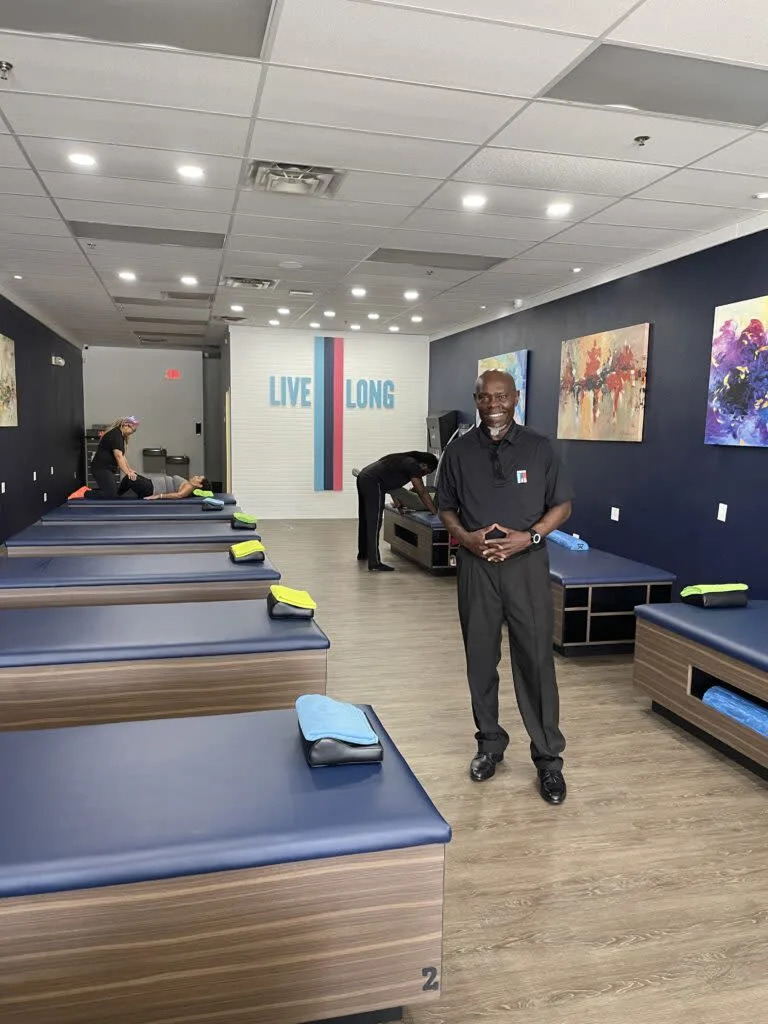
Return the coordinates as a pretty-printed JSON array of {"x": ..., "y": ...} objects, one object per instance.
[
  {"x": 370, "y": 509},
  {"x": 515, "y": 592}
]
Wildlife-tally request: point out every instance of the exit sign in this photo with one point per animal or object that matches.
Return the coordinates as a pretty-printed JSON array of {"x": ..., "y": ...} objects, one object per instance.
[{"x": 173, "y": 374}]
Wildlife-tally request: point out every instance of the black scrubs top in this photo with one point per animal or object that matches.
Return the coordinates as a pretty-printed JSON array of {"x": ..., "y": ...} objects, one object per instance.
[
  {"x": 393, "y": 471},
  {"x": 112, "y": 441}
]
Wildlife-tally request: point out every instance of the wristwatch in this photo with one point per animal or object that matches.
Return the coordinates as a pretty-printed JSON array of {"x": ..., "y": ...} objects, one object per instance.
[{"x": 535, "y": 537}]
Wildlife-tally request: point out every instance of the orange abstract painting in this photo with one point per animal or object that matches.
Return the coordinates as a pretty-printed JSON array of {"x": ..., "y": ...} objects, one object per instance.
[{"x": 602, "y": 386}]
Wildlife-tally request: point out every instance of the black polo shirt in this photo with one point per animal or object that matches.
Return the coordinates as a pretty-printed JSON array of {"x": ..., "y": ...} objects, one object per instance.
[
  {"x": 512, "y": 482},
  {"x": 393, "y": 471}
]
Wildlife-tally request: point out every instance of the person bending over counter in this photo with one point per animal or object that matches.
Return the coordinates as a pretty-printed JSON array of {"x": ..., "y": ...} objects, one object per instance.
[
  {"x": 109, "y": 457},
  {"x": 373, "y": 484}
]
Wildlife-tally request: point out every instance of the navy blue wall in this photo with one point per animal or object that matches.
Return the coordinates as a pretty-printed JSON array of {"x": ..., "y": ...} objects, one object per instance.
[
  {"x": 50, "y": 430},
  {"x": 668, "y": 488}
]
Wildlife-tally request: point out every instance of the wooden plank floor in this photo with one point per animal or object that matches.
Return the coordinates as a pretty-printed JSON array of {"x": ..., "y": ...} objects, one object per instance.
[{"x": 643, "y": 899}]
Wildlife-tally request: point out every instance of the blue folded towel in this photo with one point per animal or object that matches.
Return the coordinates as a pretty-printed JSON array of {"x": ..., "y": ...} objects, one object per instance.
[
  {"x": 213, "y": 503},
  {"x": 567, "y": 540},
  {"x": 322, "y": 717},
  {"x": 754, "y": 716}
]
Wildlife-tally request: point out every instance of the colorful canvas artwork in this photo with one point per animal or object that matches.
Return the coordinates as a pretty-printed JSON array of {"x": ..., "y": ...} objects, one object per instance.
[
  {"x": 602, "y": 386},
  {"x": 515, "y": 363},
  {"x": 737, "y": 403},
  {"x": 9, "y": 416}
]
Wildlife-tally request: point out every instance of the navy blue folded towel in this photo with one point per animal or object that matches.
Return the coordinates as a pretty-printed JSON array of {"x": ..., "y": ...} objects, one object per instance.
[{"x": 322, "y": 717}]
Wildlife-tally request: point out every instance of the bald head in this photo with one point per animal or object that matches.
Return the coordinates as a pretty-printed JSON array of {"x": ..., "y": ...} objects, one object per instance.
[{"x": 496, "y": 398}]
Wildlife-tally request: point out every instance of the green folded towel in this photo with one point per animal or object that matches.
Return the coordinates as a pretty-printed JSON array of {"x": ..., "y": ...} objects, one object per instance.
[
  {"x": 285, "y": 603},
  {"x": 247, "y": 551},
  {"x": 198, "y": 493},
  {"x": 243, "y": 521},
  {"x": 716, "y": 595}
]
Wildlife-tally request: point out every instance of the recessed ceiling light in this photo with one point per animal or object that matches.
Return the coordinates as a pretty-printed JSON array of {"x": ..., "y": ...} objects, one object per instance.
[
  {"x": 359, "y": 293},
  {"x": 82, "y": 159},
  {"x": 517, "y": 303},
  {"x": 416, "y": 319},
  {"x": 410, "y": 295},
  {"x": 329, "y": 312},
  {"x": 559, "y": 209},
  {"x": 236, "y": 309},
  {"x": 577, "y": 270},
  {"x": 191, "y": 172},
  {"x": 127, "y": 275},
  {"x": 17, "y": 277},
  {"x": 291, "y": 265},
  {"x": 483, "y": 307},
  {"x": 394, "y": 328},
  {"x": 274, "y": 323},
  {"x": 189, "y": 281},
  {"x": 621, "y": 106},
  {"x": 373, "y": 316},
  {"x": 473, "y": 201},
  {"x": 760, "y": 195},
  {"x": 354, "y": 327},
  {"x": 284, "y": 311},
  {"x": 314, "y": 325}
]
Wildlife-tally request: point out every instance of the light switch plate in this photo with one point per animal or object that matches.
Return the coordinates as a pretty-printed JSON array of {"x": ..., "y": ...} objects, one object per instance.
[
  {"x": 722, "y": 512},
  {"x": 34, "y": 475},
  {"x": 45, "y": 495},
  {"x": 2, "y": 487},
  {"x": 615, "y": 513}
]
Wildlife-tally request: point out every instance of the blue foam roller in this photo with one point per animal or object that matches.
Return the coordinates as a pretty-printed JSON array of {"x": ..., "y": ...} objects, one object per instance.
[
  {"x": 567, "y": 540},
  {"x": 741, "y": 710}
]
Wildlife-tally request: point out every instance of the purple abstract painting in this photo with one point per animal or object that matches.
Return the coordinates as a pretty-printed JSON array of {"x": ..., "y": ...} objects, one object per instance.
[{"x": 737, "y": 403}]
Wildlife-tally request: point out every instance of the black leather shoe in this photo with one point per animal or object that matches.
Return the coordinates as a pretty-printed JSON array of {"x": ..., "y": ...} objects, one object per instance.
[
  {"x": 552, "y": 786},
  {"x": 483, "y": 766},
  {"x": 381, "y": 567}
]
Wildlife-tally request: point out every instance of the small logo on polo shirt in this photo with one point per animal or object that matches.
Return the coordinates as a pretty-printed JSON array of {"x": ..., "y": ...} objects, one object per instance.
[{"x": 522, "y": 476}]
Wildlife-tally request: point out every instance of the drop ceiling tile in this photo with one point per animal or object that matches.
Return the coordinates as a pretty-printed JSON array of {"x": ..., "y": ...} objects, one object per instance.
[
  {"x": 299, "y": 248},
  {"x": 371, "y": 275},
  {"x": 631, "y": 237},
  {"x": 264, "y": 258},
  {"x": 650, "y": 214},
  {"x": 155, "y": 275},
  {"x": 33, "y": 207},
  {"x": 161, "y": 77},
  {"x": 610, "y": 134},
  {"x": 143, "y": 216},
  {"x": 482, "y": 225},
  {"x": 269, "y": 204},
  {"x": 132, "y": 162},
  {"x": 355, "y": 150},
  {"x": 588, "y": 17},
  {"x": 576, "y": 255},
  {"x": 424, "y": 241},
  {"x": 369, "y": 104},
  {"x": 709, "y": 188},
  {"x": 422, "y": 47},
  {"x": 48, "y": 243},
  {"x": 279, "y": 227},
  {"x": 732, "y": 31},
  {"x": 121, "y": 123},
  {"x": 141, "y": 193},
  {"x": 246, "y": 265},
  {"x": 749, "y": 156},
  {"x": 10, "y": 154},
  {"x": 553, "y": 171},
  {"x": 509, "y": 201},
  {"x": 16, "y": 224},
  {"x": 525, "y": 266},
  {"x": 368, "y": 187},
  {"x": 20, "y": 183}
]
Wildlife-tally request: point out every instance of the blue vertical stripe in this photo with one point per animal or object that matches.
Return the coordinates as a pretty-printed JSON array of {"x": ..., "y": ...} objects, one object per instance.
[{"x": 319, "y": 425}]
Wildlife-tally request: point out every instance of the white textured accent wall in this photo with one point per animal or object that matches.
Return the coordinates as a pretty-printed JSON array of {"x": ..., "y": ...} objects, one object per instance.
[{"x": 273, "y": 446}]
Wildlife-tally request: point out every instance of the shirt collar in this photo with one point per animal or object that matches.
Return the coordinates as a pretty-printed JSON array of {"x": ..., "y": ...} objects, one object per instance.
[{"x": 509, "y": 438}]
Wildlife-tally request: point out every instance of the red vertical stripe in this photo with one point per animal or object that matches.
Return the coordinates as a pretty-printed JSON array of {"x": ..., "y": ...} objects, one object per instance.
[{"x": 338, "y": 414}]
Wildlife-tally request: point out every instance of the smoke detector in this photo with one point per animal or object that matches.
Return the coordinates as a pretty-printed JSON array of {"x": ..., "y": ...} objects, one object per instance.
[
  {"x": 293, "y": 179},
  {"x": 262, "y": 284}
]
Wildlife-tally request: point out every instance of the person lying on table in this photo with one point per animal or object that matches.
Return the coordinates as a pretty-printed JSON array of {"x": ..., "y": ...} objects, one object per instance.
[
  {"x": 109, "y": 457},
  {"x": 184, "y": 488},
  {"x": 373, "y": 484}
]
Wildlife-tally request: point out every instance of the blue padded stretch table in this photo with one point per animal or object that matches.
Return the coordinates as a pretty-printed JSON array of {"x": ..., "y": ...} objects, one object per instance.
[
  {"x": 420, "y": 537},
  {"x": 116, "y": 512},
  {"x": 77, "y": 665},
  {"x": 682, "y": 650},
  {"x": 123, "y": 538},
  {"x": 127, "y": 501},
  {"x": 141, "y": 579},
  {"x": 192, "y": 844}
]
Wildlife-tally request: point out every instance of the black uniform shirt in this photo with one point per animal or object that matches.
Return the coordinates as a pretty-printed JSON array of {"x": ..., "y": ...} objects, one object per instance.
[
  {"x": 112, "y": 441},
  {"x": 512, "y": 482},
  {"x": 394, "y": 471}
]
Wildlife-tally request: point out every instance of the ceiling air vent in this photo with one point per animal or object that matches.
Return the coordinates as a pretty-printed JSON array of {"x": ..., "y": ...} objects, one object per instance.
[
  {"x": 230, "y": 319},
  {"x": 262, "y": 284},
  {"x": 299, "y": 293},
  {"x": 293, "y": 179}
]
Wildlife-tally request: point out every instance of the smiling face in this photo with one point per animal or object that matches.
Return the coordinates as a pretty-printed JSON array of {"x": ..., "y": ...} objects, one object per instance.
[{"x": 496, "y": 398}]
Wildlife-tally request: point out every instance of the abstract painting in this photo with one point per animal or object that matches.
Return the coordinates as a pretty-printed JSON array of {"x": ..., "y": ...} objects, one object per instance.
[
  {"x": 515, "y": 363},
  {"x": 737, "y": 404},
  {"x": 9, "y": 416},
  {"x": 602, "y": 386}
]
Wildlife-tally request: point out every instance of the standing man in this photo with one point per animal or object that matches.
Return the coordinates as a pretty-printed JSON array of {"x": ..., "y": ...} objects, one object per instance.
[
  {"x": 501, "y": 491},
  {"x": 373, "y": 483}
]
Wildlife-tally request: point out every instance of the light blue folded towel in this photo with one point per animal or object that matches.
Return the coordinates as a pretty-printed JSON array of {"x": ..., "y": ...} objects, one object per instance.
[
  {"x": 213, "y": 503},
  {"x": 567, "y": 540},
  {"x": 322, "y": 717},
  {"x": 754, "y": 716}
]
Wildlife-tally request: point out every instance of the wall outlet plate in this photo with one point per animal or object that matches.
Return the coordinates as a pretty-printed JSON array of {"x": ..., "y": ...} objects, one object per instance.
[
  {"x": 615, "y": 513},
  {"x": 722, "y": 512},
  {"x": 34, "y": 475}
]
